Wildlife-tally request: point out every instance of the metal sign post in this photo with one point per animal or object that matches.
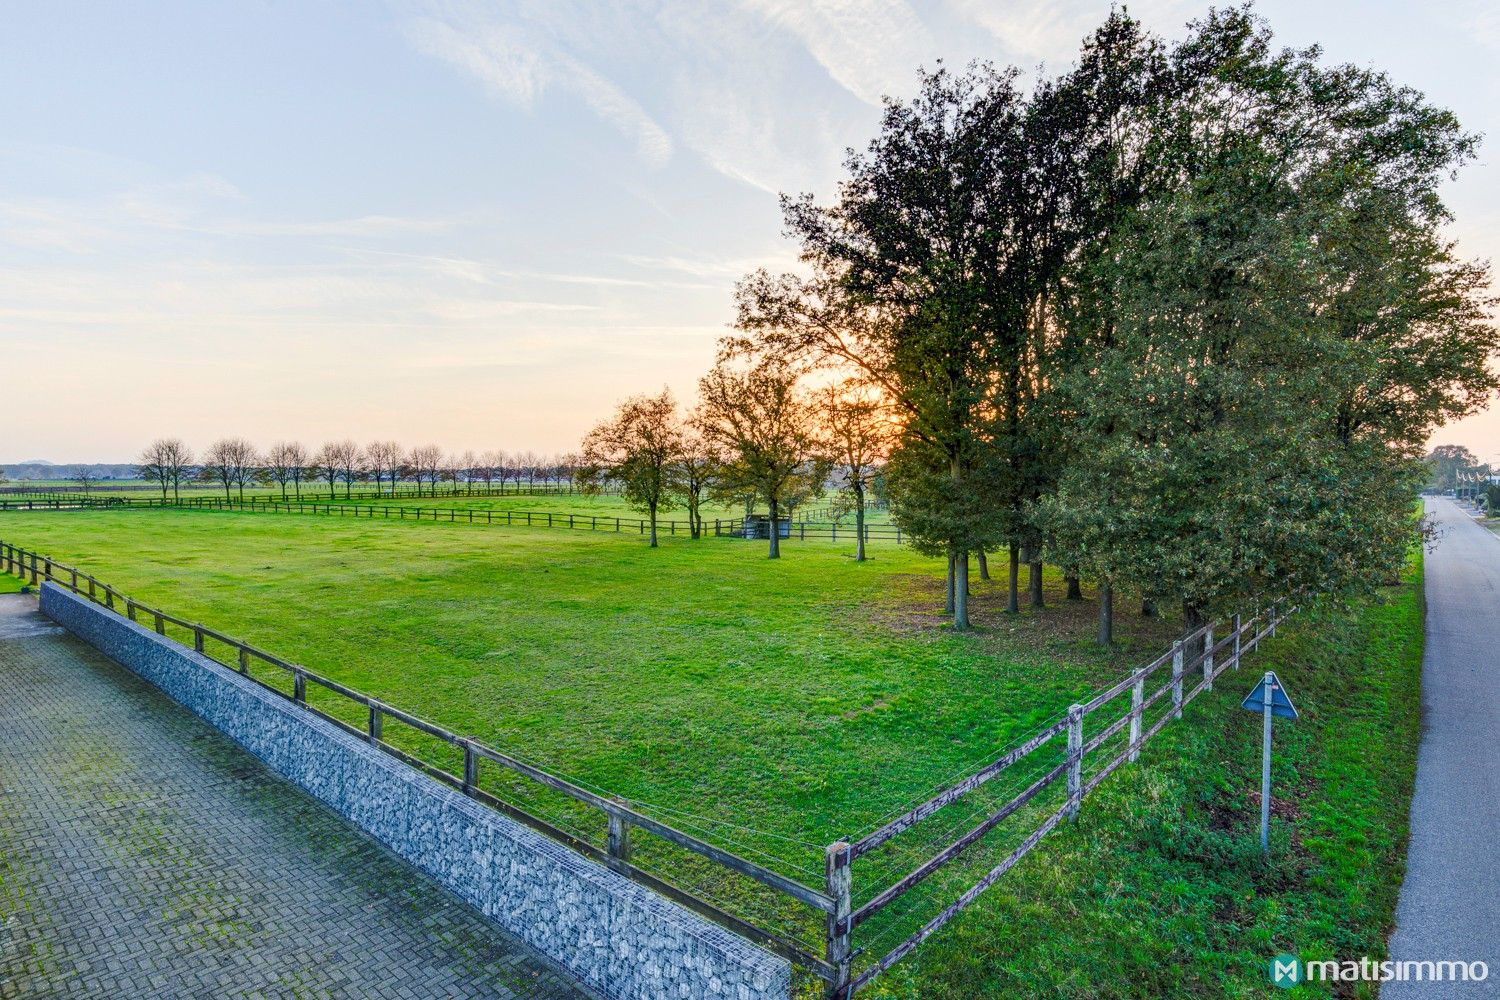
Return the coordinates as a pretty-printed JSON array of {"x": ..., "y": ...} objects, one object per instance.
[{"x": 1270, "y": 699}]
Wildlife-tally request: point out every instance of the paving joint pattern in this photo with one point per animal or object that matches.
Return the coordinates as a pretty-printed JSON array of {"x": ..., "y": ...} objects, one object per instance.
[{"x": 143, "y": 854}]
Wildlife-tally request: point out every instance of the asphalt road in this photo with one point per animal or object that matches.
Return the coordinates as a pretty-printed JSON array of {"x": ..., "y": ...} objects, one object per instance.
[{"x": 1450, "y": 901}]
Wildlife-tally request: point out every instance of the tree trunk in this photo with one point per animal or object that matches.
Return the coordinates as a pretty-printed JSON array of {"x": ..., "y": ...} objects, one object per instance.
[
  {"x": 859, "y": 523},
  {"x": 1106, "y": 614},
  {"x": 961, "y": 591},
  {"x": 1193, "y": 612},
  {"x": 775, "y": 531},
  {"x": 1034, "y": 573},
  {"x": 984, "y": 566},
  {"x": 948, "y": 585},
  {"x": 1013, "y": 596},
  {"x": 1148, "y": 608},
  {"x": 1075, "y": 592},
  {"x": 652, "y": 510}
]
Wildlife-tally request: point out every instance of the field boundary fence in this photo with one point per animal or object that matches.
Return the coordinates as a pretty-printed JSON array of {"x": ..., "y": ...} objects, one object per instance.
[
  {"x": 314, "y": 490},
  {"x": 719, "y": 527},
  {"x": 1174, "y": 678}
]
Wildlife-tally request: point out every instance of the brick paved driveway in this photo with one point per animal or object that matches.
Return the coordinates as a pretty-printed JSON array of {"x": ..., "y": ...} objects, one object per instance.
[{"x": 144, "y": 855}]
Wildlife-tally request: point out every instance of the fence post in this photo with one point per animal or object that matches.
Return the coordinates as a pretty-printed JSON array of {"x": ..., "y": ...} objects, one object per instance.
[
  {"x": 1075, "y": 759},
  {"x": 1177, "y": 679},
  {"x": 376, "y": 724},
  {"x": 161, "y": 623},
  {"x": 33, "y": 569},
  {"x": 197, "y": 638},
  {"x": 1236, "y": 651},
  {"x": 839, "y": 885},
  {"x": 245, "y": 660},
  {"x": 299, "y": 687},
  {"x": 471, "y": 768},
  {"x": 619, "y": 838},
  {"x": 1137, "y": 698},
  {"x": 1275, "y": 607},
  {"x": 1208, "y": 659}
]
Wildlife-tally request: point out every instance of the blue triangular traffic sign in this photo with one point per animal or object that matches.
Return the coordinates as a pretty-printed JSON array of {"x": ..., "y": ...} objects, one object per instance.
[{"x": 1281, "y": 705}]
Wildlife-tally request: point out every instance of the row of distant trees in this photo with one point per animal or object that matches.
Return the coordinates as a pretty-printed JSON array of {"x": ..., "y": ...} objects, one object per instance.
[
  {"x": 235, "y": 464},
  {"x": 1179, "y": 320},
  {"x": 757, "y": 434}
]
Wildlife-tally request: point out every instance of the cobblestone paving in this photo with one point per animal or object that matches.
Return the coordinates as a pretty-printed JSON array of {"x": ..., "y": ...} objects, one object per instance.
[{"x": 144, "y": 855}]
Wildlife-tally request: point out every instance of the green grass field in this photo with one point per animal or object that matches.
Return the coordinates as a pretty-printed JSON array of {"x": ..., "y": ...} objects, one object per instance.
[{"x": 776, "y": 706}]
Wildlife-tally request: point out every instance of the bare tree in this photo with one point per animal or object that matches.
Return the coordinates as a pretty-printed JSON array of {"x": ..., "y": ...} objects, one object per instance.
[
  {"x": 351, "y": 465},
  {"x": 857, "y": 435},
  {"x": 285, "y": 463},
  {"x": 426, "y": 463},
  {"x": 384, "y": 459},
  {"x": 230, "y": 462},
  {"x": 467, "y": 468},
  {"x": 639, "y": 447},
  {"x": 765, "y": 424},
  {"x": 491, "y": 464},
  {"x": 165, "y": 461},
  {"x": 298, "y": 463},
  {"x": 86, "y": 476},
  {"x": 338, "y": 461}
]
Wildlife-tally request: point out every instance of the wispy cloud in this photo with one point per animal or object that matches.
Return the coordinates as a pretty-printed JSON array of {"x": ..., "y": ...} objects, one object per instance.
[
  {"x": 519, "y": 68},
  {"x": 1050, "y": 32},
  {"x": 871, "y": 47}
]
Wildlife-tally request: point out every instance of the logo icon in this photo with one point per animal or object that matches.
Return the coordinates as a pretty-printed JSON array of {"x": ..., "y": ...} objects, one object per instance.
[{"x": 1286, "y": 971}]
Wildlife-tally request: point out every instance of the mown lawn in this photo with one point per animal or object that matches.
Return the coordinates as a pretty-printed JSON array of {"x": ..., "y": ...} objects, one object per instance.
[{"x": 776, "y": 706}]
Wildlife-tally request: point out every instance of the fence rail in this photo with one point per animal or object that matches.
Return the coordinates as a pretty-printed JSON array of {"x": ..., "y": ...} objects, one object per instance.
[
  {"x": 1196, "y": 655},
  {"x": 720, "y": 527}
]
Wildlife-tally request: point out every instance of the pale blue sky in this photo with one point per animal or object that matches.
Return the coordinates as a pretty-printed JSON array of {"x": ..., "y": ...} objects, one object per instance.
[{"x": 480, "y": 224}]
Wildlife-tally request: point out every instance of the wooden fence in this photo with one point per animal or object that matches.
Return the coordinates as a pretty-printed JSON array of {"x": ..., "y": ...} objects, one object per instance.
[
  {"x": 1198, "y": 658},
  {"x": 313, "y": 489},
  {"x": 1186, "y": 670},
  {"x": 719, "y": 527}
]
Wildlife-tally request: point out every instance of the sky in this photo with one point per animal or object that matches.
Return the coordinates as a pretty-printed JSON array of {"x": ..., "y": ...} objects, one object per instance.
[{"x": 482, "y": 224}]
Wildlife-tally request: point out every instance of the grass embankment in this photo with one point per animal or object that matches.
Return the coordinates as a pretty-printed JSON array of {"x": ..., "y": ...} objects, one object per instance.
[{"x": 806, "y": 699}]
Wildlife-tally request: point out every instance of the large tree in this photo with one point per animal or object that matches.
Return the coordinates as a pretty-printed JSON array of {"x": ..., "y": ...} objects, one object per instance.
[
  {"x": 932, "y": 276},
  {"x": 757, "y": 414},
  {"x": 1260, "y": 344},
  {"x": 1447, "y": 464},
  {"x": 639, "y": 448}
]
